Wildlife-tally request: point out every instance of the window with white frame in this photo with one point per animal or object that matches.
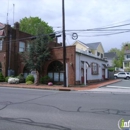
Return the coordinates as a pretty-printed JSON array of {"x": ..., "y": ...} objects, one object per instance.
[
  {"x": 1, "y": 44},
  {"x": 128, "y": 56},
  {"x": 21, "y": 46}
]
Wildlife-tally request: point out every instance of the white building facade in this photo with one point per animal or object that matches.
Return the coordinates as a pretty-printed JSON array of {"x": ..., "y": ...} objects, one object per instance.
[{"x": 90, "y": 67}]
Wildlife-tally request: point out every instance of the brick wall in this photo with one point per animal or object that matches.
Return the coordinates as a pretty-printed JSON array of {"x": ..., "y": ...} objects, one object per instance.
[
  {"x": 16, "y": 36},
  {"x": 57, "y": 54}
]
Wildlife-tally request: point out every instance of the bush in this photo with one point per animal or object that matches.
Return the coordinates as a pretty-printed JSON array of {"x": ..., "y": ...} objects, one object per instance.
[
  {"x": 45, "y": 79},
  {"x": 29, "y": 82},
  {"x": 21, "y": 78},
  {"x": 111, "y": 69},
  {"x": 6, "y": 79},
  {"x": 2, "y": 79},
  {"x": 30, "y": 78}
]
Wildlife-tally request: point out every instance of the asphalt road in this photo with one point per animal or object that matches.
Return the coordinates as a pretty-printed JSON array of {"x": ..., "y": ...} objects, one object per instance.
[
  {"x": 27, "y": 109},
  {"x": 120, "y": 87}
]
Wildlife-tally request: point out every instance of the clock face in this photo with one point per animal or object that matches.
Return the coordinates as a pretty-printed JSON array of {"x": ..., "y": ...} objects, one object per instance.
[{"x": 74, "y": 36}]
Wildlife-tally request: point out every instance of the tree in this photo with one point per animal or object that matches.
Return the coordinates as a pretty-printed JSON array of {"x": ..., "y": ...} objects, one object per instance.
[
  {"x": 118, "y": 61},
  {"x": 37, "y": 54},
  {"x": 32, "y": 24}
]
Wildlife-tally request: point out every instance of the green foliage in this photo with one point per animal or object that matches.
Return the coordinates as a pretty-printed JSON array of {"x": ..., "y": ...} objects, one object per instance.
[
  {"x": 32, "y": 24},
  {"x": 30, "y": 78},
  {"x": 29, "y": 82},
  {"x": 45, "y": 79},
  {"x": 2, "y": 79},
  {"x": 21, "y": 78},
  {"x": 118, "y": 61},
  {"x": 111, "y": 69},
  {"x": 6, "y": 79},
  {"x": 37, "y": 55},
  {"x": 38, "y": 52},
  {"x": 127, "y": 69}
]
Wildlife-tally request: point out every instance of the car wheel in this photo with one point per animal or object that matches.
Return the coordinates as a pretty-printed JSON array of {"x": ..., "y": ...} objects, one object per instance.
[
  {"x": 127, "y": 77},
  {"x": 115, "y": 77}
]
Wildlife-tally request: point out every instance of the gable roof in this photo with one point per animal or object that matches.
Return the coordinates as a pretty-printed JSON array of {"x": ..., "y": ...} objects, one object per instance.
[
  {"x": 80, "y": 43},
  {"x": 110, "y": 55},
  {"x": 93, "y": 46}
]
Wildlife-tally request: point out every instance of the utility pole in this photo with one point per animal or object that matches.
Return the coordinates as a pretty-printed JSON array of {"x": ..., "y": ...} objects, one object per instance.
[
  {"x": 9, "y": 51},
  {"x": 64, "y": 47}
]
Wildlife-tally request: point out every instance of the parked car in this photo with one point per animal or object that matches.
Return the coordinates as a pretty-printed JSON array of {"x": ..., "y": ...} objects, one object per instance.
[{"x": 122, "y": 75}]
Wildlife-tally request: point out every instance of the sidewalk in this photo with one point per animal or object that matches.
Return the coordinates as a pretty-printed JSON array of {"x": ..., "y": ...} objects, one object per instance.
[{"x": 60, "y": 87}]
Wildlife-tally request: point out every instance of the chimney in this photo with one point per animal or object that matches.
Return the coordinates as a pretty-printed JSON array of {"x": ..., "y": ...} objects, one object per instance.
[
  {"x": 16, "y": 25},
  {"x": 126, "y": 47}
]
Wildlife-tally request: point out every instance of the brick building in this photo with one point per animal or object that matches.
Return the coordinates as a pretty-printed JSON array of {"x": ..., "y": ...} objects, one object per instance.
[
  {"x": 54, "y": 67},
  {"x": 12, "y": 41},
  {"x": 84, "y": 62}
]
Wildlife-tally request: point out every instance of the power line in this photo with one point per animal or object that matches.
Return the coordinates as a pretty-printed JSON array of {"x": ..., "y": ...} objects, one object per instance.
[
  {"x": 31, "y": 37},
  {"x": 105, "y": 34},
  {"x": 101, "y": 28}
]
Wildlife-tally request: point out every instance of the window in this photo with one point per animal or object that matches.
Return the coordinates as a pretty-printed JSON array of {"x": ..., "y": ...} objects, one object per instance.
[
  {"x": 55, "y": 71},
  {"x": 21, "y": 46},
  {"x": 122, "y": 73},
  {"x": 126, "y": 64},
  {"x": 94, "y": 68},
  {"x": 101, "y": 55},
  {"x": 128, "y": 56},
  {"x": 1, "y": 44},
  {"x": 98, "y": 53}
]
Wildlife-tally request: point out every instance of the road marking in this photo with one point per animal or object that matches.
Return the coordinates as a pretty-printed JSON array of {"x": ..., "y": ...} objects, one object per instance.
[{"x": 118, "y": 87}]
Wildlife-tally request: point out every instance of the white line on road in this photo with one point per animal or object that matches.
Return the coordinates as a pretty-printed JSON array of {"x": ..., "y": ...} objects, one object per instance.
[{"x": 117, "y": 87}]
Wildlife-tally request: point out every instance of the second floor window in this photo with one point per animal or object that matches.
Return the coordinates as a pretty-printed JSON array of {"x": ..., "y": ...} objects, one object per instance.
[
  {"x": 98, "y": 53},
  {"x": 128, "y": 56},
  {"x": 21, "y": 46},
  {"x": 1, "y": 44}
]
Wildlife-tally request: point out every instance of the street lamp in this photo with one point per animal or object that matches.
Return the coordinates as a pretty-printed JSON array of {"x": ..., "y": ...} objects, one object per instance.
[{"x": 64, "y": 47}]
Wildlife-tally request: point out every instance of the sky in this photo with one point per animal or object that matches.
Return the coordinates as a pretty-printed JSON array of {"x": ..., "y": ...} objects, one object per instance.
[{"x": 81, "y": 17}]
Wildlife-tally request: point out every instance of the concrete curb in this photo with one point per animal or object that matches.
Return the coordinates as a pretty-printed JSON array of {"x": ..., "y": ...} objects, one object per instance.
[
  {"x": 59, "y": 88},
  {"x": 110, "y": 83}
]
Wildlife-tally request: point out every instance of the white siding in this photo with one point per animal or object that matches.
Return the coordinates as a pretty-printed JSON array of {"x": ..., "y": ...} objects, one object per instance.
[{"x": 80, "y": 59}]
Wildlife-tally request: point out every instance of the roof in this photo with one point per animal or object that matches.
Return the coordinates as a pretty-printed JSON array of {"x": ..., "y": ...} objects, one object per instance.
[
  {"x": 2, "y": 26},
  {"x": 1, "y": 32},
  {"x": 93, "y": 46},
  {"x": 101, "y": 59},
  {"x": 1, "y": 29},
  {"x": 110, "y": 55}
]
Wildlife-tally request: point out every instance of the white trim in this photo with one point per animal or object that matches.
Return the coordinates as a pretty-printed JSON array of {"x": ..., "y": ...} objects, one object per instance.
[{"x": 81, "y": 44}]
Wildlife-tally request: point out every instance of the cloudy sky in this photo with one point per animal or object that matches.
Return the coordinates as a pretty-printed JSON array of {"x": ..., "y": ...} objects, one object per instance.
[{"x": 80, "y": 15}]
